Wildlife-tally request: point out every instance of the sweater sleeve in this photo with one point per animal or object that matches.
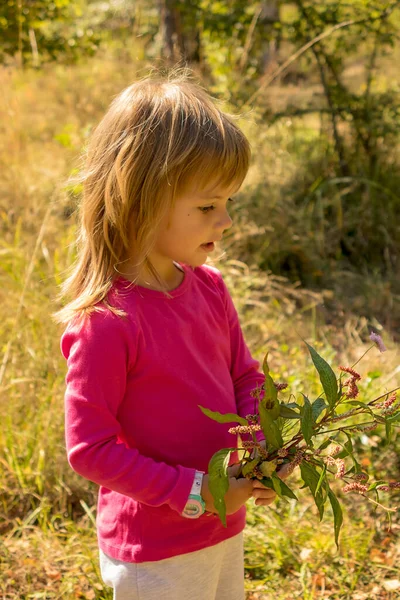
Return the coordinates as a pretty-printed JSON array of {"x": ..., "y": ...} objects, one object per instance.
[
  {"x": 100, "y": 354},
  {"x": 245, "y": 372}
]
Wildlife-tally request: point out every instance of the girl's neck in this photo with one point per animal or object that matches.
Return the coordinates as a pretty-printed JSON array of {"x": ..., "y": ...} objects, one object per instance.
[{"x": 147, "y": 280}]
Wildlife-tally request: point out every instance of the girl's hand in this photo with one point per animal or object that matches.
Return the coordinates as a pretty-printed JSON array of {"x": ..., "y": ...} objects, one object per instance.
[
  {"x": 240, "y": 490},
  {"x": 265, "y": 496}
]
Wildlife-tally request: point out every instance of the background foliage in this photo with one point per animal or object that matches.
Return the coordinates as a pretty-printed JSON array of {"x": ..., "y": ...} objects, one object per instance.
[
  {"x": 321, "y": 73},
  {"x": 314, "y": 251}
]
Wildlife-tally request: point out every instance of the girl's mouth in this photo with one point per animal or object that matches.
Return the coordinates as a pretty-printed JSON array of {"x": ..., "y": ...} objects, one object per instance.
[{"x": 208, "y": 247}]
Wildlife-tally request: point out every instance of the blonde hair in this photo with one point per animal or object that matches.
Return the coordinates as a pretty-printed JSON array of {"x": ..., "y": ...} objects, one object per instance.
[{"x": 159, "y": 136}]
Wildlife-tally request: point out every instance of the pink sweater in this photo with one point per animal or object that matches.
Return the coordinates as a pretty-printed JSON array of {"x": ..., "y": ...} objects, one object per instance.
[{"x": 133, "y": 424}]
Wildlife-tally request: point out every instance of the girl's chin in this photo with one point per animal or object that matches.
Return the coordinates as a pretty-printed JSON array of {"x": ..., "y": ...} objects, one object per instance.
[{"x": 196, "y": 262}]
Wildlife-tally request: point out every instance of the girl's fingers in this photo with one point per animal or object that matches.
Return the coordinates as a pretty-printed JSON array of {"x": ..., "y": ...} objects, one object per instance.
[
  {"x": 264, "y": 494},
  {"x": 262, "y": 502},
  {"x": 258, "y": 485}
]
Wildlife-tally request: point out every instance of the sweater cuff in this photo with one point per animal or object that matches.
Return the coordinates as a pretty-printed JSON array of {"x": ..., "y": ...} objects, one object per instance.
[{"x": 178, "y": 502}]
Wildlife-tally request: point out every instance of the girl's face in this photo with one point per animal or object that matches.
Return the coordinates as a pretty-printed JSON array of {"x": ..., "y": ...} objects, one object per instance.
[{"x": 197, "y": 218}]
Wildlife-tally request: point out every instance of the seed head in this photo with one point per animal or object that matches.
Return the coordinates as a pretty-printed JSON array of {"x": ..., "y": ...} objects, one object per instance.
[
  {"x": 341, "y": 468},
  {"x": 351, "y": 372},
  {"x": 387, "y": 403},
  {"x": 281, "y": 386},
  {"x": 244, "y": 429},
  {"x": 336, "y": 450},
  {"x": 282, "y": 452},
  {"x": 261, "y": 451},
  {"x": 256, "y": 393},
  {"x": 252, "y": 419},
  {"x": 257, "y": 473},
  {"x": 391, "y": 486},
  {"x": 353, "y": 390},
  {"x": 249, "y": 445},
  {"x": 374, "y": 337},
  {"x": 365, "y": 428},
  {"x": 344, "y": 415},
  {"x": 357, "y": 488},
  {"x": 297, "y": 459}
]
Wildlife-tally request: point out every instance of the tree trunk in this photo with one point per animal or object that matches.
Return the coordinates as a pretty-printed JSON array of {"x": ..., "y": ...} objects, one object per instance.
[
  {"x": 169, "y": 31},
  {"x": 270, "y": 46},
  {"x": 180, "y": 38}
]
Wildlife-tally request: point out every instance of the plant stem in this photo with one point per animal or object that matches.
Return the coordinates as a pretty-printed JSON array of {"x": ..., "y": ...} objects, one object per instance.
[
  {"x": 243, "y": 459},
  {"x": 379, "y": 504},
  {"x": 383, "y": 395},
  {"x": 361, "y": 357},
  {"x": 344, "y": 427}
]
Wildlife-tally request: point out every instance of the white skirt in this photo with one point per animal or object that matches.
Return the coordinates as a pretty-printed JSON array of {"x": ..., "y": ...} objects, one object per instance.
[{"x": 214, "y": 573}]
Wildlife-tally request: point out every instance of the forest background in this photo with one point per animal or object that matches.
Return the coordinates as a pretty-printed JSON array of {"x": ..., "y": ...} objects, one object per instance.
[{"x": 314, "y": 252}]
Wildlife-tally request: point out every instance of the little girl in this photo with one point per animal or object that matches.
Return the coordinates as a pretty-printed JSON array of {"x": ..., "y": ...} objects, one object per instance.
[{"x": 151, "y": 334}]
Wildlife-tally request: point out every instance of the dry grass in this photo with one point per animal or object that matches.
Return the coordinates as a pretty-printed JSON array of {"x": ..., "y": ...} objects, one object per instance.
[{"x": 48, "y": 547}]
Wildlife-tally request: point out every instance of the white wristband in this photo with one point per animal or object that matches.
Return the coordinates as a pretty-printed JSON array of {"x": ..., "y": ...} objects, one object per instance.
[
  {"x": 195, "y": 505},
  {"x": 197, "y": 483}
]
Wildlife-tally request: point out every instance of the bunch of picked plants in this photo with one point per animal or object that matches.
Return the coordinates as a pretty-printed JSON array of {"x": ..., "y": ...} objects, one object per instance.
[{"x": 315, "y": 435}]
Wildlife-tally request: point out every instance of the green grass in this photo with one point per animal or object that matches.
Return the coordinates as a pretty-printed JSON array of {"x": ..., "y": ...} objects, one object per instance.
[{"x": 48, "y": 546}]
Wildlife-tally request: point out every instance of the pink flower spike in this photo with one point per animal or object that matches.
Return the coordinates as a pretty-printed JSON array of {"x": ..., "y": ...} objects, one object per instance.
[
  {"x": 374, "y": 337},
  {"x": 383, "y": 488},
  {"x": 357, "y": 488},
  {"x": 354, "y": 375},
  {"x": 341, "y": 468}
]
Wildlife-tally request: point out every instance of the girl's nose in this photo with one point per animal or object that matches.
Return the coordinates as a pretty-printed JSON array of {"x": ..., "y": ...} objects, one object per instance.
[{"x": 225, "y": 222}]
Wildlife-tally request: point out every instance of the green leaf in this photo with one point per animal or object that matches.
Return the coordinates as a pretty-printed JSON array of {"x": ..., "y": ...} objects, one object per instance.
[
  {"x": 337, "y": 515},
  {"x": 265, "y": 366},
  {"x": 270, "y": 428},
  {"x": 357, "y": 467},
  {"x": 280, "y": 487},
  {"x": 307, "y": 420},
  {"x": 324, "y": 444},
  {"x": 321, "y": 480},
  {"x": 267, "y": 482},
  {"x": 267, "y": 467},
  {"x": 389, "y": 431},
  {"x": 285, "y": 489},
  {"x": 293, "y": 405},
  {"x": 288, "y": 413},
  {"x": 374, "y": 374},
  {"x": 218, "y": 480},
  {"x": 220, "y": 418},
  {"x": 395, "y": 418},
  {"x": 374, "y": 485},
  {"x": 270, "y": 398},
  {"x": 249, "y": 466},
  {"x": 317, "y": 407},
  {"x": 310, "y": 476},
  {"x": 361, "y": 404},
  {"x": 348, "y": 450},
  {"x": 276, "y": 482},
  {"x": 326, "y": 375},
  {"x": 349, "y": 444}
]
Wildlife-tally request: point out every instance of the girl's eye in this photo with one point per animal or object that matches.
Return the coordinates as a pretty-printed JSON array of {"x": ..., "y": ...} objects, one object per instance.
[{"x": 206, "y": 209}]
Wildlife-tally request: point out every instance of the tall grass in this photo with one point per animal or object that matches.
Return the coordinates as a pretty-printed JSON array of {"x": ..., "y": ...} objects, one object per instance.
[{"x": 47, "y": 545}]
